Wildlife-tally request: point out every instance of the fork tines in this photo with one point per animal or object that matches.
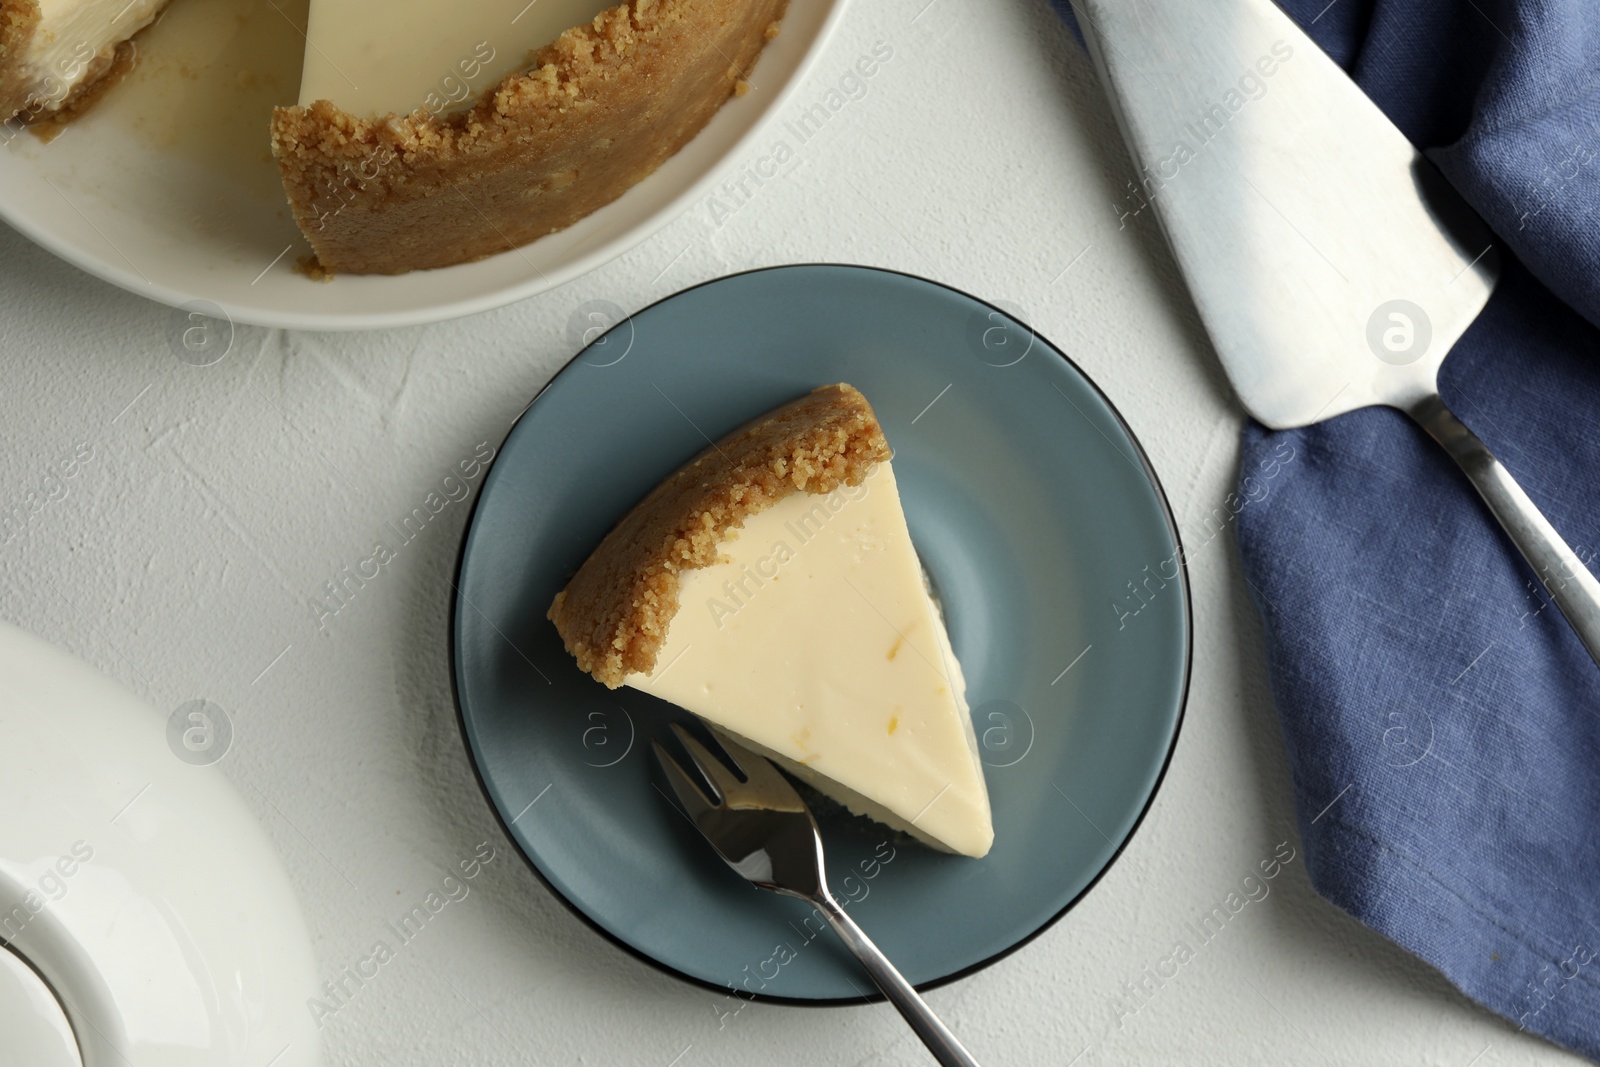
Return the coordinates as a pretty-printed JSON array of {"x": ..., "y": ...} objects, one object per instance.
[{"x": 762, "y": 785}]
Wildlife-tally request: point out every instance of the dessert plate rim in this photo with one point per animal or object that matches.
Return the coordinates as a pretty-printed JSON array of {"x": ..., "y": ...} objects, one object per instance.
[{"x": 1145, "y": 468}]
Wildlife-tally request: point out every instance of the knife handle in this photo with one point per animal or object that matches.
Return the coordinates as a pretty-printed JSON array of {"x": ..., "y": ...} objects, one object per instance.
[{"x": 1569, "y": 583}]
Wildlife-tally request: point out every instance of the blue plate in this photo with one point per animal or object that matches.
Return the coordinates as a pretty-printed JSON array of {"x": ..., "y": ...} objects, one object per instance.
[{"x": 1045, "y": 532}]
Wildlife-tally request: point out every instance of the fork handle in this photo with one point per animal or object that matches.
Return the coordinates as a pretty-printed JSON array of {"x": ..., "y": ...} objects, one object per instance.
[
  {"x": 1574, "y": 590},
  {"x": 935, "y": 1034}
]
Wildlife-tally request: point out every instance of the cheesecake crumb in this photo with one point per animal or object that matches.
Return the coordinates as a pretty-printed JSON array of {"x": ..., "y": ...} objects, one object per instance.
[
  {"x": 312, "y": 269},
  {"x": 614, "y": 613}
]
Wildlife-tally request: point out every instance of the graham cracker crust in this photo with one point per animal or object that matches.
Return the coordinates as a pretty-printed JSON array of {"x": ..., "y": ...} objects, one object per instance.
[{"x": 614, "y": 613}]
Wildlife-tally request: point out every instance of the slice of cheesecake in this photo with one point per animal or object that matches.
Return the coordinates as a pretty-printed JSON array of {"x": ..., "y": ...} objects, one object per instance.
[
  {"x": 770, "y": 586},
  {"x": 427, "y": 136},
  {"x": 53, "y": 52}
]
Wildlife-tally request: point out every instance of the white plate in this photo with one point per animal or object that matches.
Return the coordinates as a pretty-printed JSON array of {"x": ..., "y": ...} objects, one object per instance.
[
  {"x": 126, "y": 206},
  {"x": 139, "y": 888}
]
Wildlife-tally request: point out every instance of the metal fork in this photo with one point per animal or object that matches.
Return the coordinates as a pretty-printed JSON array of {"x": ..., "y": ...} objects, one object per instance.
[{"x": 762, "y": 828}]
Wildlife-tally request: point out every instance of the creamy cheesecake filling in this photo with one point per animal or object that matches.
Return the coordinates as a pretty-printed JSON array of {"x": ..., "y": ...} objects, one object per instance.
[
  {"x": 381, "y": 57},
  {"x": 71, "y": 44},
  {"x": 815, "y": 639}
]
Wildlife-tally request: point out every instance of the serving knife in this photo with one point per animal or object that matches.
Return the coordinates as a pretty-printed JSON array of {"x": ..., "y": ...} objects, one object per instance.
[{"x": 1332, "y": 265}]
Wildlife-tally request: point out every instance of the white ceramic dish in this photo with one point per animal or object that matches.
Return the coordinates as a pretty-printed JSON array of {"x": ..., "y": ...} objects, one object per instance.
[
  {"x": 157, "y": 928},
  {"x": 128, "y": 208}
]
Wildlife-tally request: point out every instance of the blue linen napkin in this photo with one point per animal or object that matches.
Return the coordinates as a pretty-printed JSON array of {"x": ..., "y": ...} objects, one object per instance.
[{"x": 1442, "y": 720}]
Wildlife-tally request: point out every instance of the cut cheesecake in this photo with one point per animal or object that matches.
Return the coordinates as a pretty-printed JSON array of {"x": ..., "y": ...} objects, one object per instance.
[
  {"x": 52, "y": 52},
  {"x": 770, "y": 586},
  {"x": 427, "y": 135},
  {"x": 385, "y": 173}
]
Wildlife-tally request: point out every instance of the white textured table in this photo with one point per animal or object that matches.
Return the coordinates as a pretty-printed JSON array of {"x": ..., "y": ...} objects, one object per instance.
[{"x": 186, "y": 554}]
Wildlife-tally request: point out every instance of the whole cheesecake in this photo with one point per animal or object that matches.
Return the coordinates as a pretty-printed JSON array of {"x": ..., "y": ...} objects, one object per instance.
[
  {"x": 394, "y": 180},
  {"x": 770, "y": 586}
]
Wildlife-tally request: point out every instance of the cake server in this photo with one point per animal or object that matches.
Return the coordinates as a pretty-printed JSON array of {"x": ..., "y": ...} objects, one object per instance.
[
  {"x": 763, "y": 830},
  {"x": 1332, "y": 265}
]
